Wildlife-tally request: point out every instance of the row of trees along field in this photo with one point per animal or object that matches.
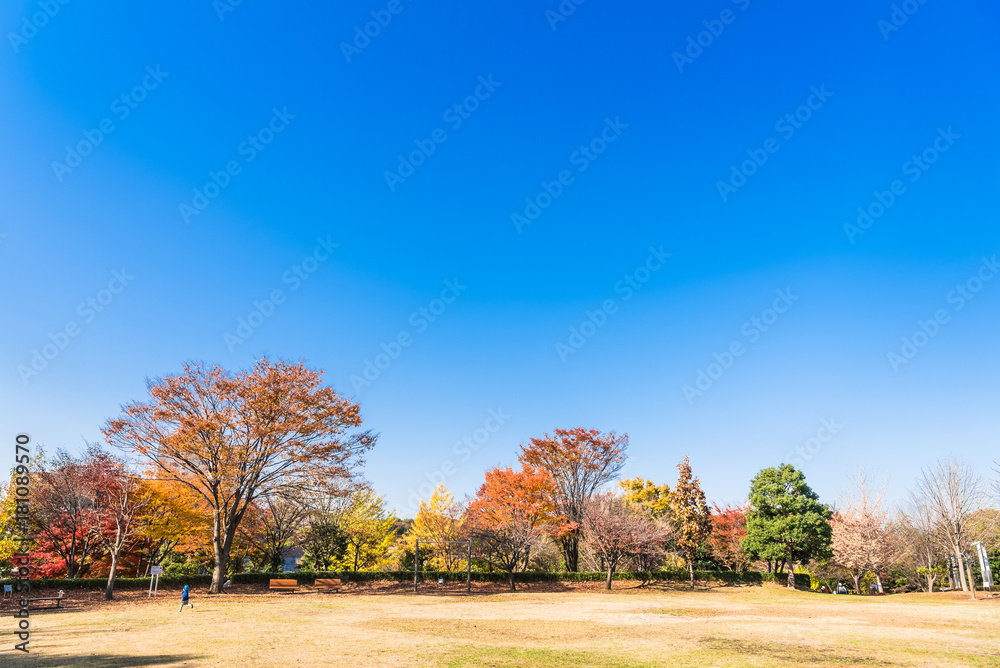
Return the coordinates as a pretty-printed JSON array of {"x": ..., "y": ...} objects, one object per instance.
[{"x": 234, "y": 471}]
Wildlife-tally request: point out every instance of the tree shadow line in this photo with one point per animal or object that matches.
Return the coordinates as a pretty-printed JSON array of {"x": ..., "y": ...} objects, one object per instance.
[{"x": 16, "y": 658}]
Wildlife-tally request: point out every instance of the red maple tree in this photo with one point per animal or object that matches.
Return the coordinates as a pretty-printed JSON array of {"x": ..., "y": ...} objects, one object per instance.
[{"x": 729, "y": 528}]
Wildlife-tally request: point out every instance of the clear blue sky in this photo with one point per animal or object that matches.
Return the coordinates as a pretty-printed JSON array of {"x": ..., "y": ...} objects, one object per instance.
[{"x": 641, "y": 139}]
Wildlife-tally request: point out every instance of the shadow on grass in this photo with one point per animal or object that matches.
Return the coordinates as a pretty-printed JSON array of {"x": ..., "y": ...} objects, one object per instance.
[
  {"x": 620, "y": 586},
  {"x": 480, "y": 589},
  {"x": 9, "y": 611},
  {"x": 521, "y": 589},
  {"x": 794, "y": 654},
  {"x": 17, "y": 658},
  {"x": 661, "y": 585}
]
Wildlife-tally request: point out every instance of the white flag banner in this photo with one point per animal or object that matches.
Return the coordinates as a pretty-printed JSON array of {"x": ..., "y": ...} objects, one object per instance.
[{"x": 984, "y": 565}]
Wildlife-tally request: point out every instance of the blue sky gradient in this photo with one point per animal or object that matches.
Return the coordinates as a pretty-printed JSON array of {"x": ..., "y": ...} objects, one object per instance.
[{"x": 319, "y": 189}]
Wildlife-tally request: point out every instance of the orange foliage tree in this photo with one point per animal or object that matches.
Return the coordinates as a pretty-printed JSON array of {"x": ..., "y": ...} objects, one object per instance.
[
  {"x": 511, "y": 511},
  {"x": 233, "y": 437},
  {"x": 579, "y": 462}
]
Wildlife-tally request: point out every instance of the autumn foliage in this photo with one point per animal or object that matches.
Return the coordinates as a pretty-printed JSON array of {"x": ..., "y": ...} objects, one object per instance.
[
  {"x": 729, "y": 528},
  {"x": 234, "y": 437},
  {"x": 510, "y": 513},
  {"x": 618, "y": 529},
  {"x": 579, "y": 462},
  {"x": 253, "y": 469},
  {"x": 690, "y": 515}
]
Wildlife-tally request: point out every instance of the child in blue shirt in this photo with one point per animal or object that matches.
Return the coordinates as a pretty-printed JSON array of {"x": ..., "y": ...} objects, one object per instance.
[{"x": 184, "y": 599}]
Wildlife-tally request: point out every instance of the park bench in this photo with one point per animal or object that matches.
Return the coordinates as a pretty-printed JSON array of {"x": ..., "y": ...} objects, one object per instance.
[
  {"x": 327, "y": 585},
  {"x": 58, "y": 599},
  {"x": 284, "y": 585}
]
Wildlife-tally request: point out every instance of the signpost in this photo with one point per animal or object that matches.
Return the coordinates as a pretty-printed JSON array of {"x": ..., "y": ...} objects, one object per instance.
[{"x": 155, "y": 572}]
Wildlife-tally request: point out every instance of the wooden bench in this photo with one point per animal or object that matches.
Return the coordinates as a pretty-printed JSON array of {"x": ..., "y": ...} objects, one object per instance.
[
  {"x": 327, "y": 585},
  {"x": 57, "y": 599},
  {"x": 284, "y": 585}
]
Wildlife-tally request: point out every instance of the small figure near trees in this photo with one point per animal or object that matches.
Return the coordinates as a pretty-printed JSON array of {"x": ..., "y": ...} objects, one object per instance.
[{"x": 185, "y": 596}]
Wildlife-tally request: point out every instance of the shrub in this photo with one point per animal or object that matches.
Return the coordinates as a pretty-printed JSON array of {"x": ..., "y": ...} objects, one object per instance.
[
  {"x": 120, "y": 583},
  {"x": 309, "y": 578}
]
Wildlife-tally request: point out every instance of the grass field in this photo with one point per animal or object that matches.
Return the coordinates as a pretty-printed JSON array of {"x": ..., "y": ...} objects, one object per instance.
[{"x": 659, "y": 625}]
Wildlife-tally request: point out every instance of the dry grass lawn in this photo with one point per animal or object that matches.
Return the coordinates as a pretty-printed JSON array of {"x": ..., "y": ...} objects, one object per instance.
[{"x": 631, "y": 626}]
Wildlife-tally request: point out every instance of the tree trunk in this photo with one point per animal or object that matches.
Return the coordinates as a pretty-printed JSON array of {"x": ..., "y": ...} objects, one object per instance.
[
  {"x": 691, "y": 571},
  {"x": 972, "y": 579},
  {"x": 611, "y": 571},
  {"x": 571, "y": 552},
  {"x": 878, "y": 582},
  {"x": 220, "y": 546},
  {"x": 510, "y": 578},
  {"x": 857, "y": 582},
  {"x": 109, "y": 591},
  {"x": 961, "y": 569},
  {"x": 791, "y": 573},
  {"x": 72, "y": 557}
]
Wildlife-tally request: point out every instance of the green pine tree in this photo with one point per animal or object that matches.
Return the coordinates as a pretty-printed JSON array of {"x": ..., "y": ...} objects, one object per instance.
[{"x": 786, "y": 521}]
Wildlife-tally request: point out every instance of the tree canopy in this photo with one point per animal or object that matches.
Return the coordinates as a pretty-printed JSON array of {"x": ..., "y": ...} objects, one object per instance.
[
  {"x": 509, "y": 514},
  {"x": 652, "y": 498},
  {"x": 234, "y": 437},
  {"x": 786, "y": 520},
  {"x": 579, "y": 461},
  {"x": 690, "y": 514}
]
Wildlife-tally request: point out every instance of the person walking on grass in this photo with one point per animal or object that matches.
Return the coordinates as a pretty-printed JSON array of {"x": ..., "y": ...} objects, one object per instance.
[{"x": 184, "y": 599}]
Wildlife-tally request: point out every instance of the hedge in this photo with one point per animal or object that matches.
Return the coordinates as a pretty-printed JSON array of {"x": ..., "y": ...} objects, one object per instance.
[
  {"x": 120, "y": 582},
  {"x": 303, "y": 577}
]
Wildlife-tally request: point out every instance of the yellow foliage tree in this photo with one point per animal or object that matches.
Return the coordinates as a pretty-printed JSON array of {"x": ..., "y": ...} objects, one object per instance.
[
  {"x": 178, "y": 520},
  {"x": 437, "y": 519},
  {"x": 368, "y": 528},
  {"x": 653, "y": 498},
  {"x": 8, "y": 528}
]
